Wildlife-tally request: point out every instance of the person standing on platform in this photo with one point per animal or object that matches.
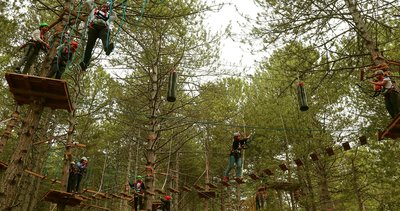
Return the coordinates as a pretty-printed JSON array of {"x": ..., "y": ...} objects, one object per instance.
[
  {"x": 138, "y": 188},
  {"x": 81, "y": 167},
  {"x": 99, "y": 28},
  {"x": 235, "y": 156},
  {"x": 32, "y": 48},
  {"x": 64, "y": 55}
]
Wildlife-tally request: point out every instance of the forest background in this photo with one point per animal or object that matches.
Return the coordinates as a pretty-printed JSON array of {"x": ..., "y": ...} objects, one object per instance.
[{"x": 127, "y": 124}]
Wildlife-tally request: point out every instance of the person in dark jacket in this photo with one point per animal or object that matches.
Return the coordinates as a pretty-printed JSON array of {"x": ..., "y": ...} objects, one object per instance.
[
  {"x": 166, "y": 203},
  {"x": 64, "y": 55},
  {"x": 71, "y": 178},
  {"x": 99, "y": 28},
  {"x": 235, "y": 156}
]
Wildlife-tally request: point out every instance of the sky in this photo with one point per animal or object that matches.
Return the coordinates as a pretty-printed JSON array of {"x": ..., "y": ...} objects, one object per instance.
[{"x": 233, "y": 53}]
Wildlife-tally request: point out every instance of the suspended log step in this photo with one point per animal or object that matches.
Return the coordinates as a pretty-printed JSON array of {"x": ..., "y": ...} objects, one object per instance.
[
  {"x": 159, "y": 191},
  {"x": 239, "y": 180},
  {"x": 198, "y": 187},
  {"x": 283, "y": 167},
  {"x": 62, "y": 197},
  {"x": 172, "y": 190},
  {"x": 314, "y": 156},
  {"x": 346, "y": 146},
  {"x": 226, "y": 184},
  {"x": 186, "y": 188},
  {"x": 207, "y": 194},
  {"x": 27, "y": 88},
  {"x": 254, "y": 176},
  {"x": 268, "y": 172},
  {"x": 392, "y": 130},
  {"x": 211, "y": 185},
  {"x": 3, "y": 166},
  {"x": 298, "y": 162},
  {"x": 329, "y": 151},
  {"x": 363, "y": 140}
]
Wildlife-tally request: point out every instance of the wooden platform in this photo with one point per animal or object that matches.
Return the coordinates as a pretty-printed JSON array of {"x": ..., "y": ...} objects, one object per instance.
[
  {"x": 27, "y": 88},
  {"x": 62, "y": 197},
  {"x": 392, "y": 130}
]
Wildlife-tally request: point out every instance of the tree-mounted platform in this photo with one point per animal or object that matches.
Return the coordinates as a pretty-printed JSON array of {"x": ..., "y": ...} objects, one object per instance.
[
  {"x": 207, "y": 194},
  {"x": 27, "y": 88},
  {"x": 62, "y": 197},
  {"x": 392, "y": 130}
]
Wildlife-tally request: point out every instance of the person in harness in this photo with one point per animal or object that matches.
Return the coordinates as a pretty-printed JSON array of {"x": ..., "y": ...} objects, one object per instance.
[
  {"x": 32, "y": 48},
  {"x": 138, "y": 188},
  {"x": 71, "y": 177},
  {"x": 235, "y": 156},
  {"x": 81, "y": 167},
  {"x": 165, "y": 203},
  {"x": 389, "y": 91},
  {"x": 60, "y": 61},
  {"x": 99, "y": 26}
]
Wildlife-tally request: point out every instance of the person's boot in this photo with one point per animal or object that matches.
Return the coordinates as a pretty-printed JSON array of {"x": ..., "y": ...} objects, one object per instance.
[
  {"x": 110, "y": 49},
  {"x": 225, "y": 179}
]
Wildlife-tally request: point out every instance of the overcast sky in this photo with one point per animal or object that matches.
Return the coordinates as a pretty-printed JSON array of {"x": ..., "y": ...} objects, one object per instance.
[{"x": 233, "y": 52}]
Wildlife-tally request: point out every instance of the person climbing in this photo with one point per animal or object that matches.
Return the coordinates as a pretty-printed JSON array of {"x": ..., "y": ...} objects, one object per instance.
[
  {"x": 99, "y": 27},
  {"x": 33, "y": 47},
  {"x": 71, "y": 178},
  {"x": 64, "y": 55},
  {"x": 166, "y": 203},
  {"x": 235, "y": 156},
  {"x": 260, "y": 199},
  {"x": 138, "y": 188},
  {"x": 81, "y": 167},
  {"x": 389, "y": 91}
]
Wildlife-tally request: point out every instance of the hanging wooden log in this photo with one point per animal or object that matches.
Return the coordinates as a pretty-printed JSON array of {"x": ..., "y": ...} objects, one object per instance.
[
  {"x": 254, "y": 176},
  {"x": 301, "y": 95},
  {"x": 362, "y": 73},
  {"x": 268, "y": 172},
  {"x": 171, "y": 95}
]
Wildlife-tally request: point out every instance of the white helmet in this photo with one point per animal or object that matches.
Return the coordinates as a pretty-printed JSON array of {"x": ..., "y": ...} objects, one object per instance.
[
  {"x": 236, "y": 134},
  {"x": 84, "y": 158}
]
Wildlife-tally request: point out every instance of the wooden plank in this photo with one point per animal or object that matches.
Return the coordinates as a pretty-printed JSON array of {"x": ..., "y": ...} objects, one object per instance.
[
  {"x": 186, "y": 188},
  {"x": 239, "y": 180},
  {"x": 392, "y": 130},
  {"x": 254, "y": 176},
  {"x": 211, "y": 185},
  {"x": 27, "y": 88}
]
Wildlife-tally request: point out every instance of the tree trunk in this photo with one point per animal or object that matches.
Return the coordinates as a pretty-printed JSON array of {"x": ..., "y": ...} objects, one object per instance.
[
  {"x": 326, "y": 200},
  {"x": 9, "y": 189},
  {"x": 310, "y": 188},
  {"x": 7, "y": 132},
  {"x": 362, "y": 31},
  {"x": 176, "y": 196}
]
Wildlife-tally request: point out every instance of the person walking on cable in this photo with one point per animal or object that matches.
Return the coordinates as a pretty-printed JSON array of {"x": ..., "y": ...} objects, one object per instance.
[
  {"x": 235, "y": 156},
  {"x": 138, "y": 188},
  {"x": 32, "y": 48},
  {"x": 60, "y": 61},
  {"x": 81, "y": 167},
  {"x": 99, "y": 27},
  {"x": 389, "y": 91}
]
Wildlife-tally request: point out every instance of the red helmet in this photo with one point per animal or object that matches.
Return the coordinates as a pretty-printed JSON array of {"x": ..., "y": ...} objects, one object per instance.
[
  {"x": 74, "y": 44},
  {"x": 167, "y": 198}
]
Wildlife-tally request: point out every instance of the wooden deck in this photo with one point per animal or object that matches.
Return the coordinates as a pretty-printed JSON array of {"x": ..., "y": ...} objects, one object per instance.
[
  {"x": 27, "y": 88},
  {"x": 392, "y": 130}
]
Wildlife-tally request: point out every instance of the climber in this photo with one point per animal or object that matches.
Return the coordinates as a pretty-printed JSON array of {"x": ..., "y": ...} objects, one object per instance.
[
  {"x": 138, "y": 188},
  {"x": 81, "y": 167},
  {"x": 60, "y": 61},
  {"x": 235, "y": 156},
  {"x": 99, "y": 26},
  {"x": 33, "y": 47},
  {"x": 389, "y": 91}
]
